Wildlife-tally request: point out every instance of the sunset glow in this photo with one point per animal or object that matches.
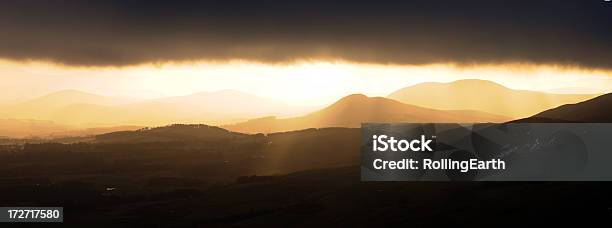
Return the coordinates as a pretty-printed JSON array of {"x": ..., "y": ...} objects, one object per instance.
[{"x": 311, "y": 83}]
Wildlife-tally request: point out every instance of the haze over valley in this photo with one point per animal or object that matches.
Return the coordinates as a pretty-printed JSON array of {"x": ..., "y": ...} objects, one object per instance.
[{"x": 76, "y": 113}]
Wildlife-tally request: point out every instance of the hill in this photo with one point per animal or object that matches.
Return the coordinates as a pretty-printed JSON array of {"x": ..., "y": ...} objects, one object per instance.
[
  {"x": 483, "y": 96},
  {"x": 596, "y": 110},
  {"x": 68, "y": 97},
  {"x": 87, "y": 110},
  {"x": 171, "y": 133},
  {"x": 42, "y": 107},
  {"x": 282, "y": 183},
  {"x": 355, "y": 109}
]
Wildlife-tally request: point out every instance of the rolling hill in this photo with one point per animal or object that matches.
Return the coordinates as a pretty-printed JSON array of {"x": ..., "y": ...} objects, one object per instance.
[
  {"x": 171, "y": 133},
  {"x": 355, "y": 109},
  {"x": 68, "y": 97},
  {"x": 596, "y": 110},
  {"x": 483, "y": 96},
  {"x": 42, "y": 107},
  {"x": 85, "y": 110}
]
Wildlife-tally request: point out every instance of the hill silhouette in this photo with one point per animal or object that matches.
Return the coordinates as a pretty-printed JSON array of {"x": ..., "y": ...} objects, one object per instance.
[
  {"x": 484, "y": 96},
  {"x": 292, "y": 178},
  {"x": 171, "y": 133},
  {"x": 206, "y": 152},
  {"x": 355, "y": 109},
  {"x": 596, "y": 110}
]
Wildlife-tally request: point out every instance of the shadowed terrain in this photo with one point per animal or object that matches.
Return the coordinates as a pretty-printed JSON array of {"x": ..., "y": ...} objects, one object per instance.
[
  {"x": 199, "y": 175},
  {"x": 596, "y": 110}
]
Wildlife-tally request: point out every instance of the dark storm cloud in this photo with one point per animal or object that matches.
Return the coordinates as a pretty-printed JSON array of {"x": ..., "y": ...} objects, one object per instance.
[{"x": 403, "y": 32}]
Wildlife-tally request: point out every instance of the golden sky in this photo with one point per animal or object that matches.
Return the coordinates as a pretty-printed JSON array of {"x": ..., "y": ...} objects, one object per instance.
[{"x": 310, "y": 83}]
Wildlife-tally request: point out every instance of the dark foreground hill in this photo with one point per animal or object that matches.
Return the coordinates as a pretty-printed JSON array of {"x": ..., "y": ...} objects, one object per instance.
[
  {"x": 171, "y": 133},
  {"x": 327, "y": 197},
  {"x": 196, "y": 151},
  {"x": 596, "y": 110},
  {"x": 301, "y": 178}
]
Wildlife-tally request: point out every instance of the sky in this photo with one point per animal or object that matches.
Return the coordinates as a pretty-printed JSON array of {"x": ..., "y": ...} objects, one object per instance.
[
  {"x": 130, "y": 32},
  {"x": 301, "y": 52}
]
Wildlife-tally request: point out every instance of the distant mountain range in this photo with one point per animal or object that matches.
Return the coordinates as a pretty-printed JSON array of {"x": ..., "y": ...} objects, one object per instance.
[
  {"x": 72, "y": 112},
  {"x": 82, "y": 109},
  {"x": 42, "y": 107},
  {"x": 350, "y": 111},
  {"x": 355, "y": 109},
  {"x": 482, "y": 95}
]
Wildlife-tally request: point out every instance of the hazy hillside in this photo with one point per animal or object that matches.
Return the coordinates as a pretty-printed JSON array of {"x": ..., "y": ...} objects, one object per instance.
[
  {"x": 42, "y": 107},
  {"x": 232, "y": 102},
  {"x": 19, "y": 128},
  {"x": 26, "y": 128},
  {"x": 596, "y": 110},
  {"x": 86, "y": 110},
  {"x": 147, "y": 113},
  {"x": 353, "y": 110},
  {"x": 484, "y": 96},
  {"x": 67, "y": 97}
]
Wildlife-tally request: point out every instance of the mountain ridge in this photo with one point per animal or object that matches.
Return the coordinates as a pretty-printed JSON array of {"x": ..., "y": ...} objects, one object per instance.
[
  {"x": 596, "y": 110},
  {"x": 354, "y": 109},
  {"x": 483, "y": 95},
  {"x": 78, "y": 108}
]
